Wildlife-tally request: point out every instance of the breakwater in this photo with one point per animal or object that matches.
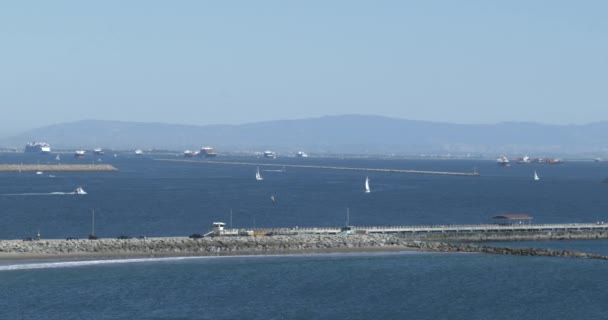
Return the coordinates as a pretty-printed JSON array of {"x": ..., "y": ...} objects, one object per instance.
[
  {"x": 278, "y": 165},
  {"x": 55, "y": 167},
  {"x": 251, "y": 245}
]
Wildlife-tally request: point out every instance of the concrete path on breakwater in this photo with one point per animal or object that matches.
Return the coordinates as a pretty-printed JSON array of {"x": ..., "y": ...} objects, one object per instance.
[
  {"x": 55, "y": 167},
  {"x": 446, "y": 231},
  {"x": 278, "y": 165},
  {"x": 215, "y": 246}
]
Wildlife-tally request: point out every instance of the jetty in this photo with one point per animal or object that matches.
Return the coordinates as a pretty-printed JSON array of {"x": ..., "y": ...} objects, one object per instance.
[
  {"x": 280, "y": 244},
  {"x": 280, "y": 165},
  {"x": 473, "y": 232},
  {"x": 55, "y": 167}
]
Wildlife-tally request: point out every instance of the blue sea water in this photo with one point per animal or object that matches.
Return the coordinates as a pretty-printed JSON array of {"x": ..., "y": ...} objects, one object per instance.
[{"x": 162, "y": 198}]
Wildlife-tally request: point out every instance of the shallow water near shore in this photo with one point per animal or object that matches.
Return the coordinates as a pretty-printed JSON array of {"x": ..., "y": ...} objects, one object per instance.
[{"x": 159, "y": 198}]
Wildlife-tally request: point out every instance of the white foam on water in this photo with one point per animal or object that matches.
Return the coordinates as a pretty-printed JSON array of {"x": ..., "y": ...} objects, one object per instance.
[
  {"x": 37, "y": 194},
  {"x": 86, "y": 263}
]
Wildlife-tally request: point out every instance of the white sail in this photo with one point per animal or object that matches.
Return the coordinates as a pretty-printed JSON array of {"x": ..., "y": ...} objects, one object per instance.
[
  {"x": 258, "y": 176},
  {"x": 536, "y": 178},
  {"x": 367, "y": 190}
]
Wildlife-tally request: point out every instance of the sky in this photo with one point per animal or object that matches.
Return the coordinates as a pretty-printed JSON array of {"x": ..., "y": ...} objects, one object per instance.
[{"x": 232, "y": 62}]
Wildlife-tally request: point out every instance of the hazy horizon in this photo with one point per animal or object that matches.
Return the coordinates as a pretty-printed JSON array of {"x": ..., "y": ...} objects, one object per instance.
[{"x": 233, "y": 63}]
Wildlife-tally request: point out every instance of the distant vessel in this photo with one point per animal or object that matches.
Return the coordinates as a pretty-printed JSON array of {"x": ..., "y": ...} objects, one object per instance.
[
  {"x": 269, "y": 154},
  {"x": 98, "y": 151},
  {"x": 40, "y": 147},
  {"x": 258, "y": 176},
  {"x": 367, "y": 190},
  {"x": 548, "y": 160},
  {"x": 79, "y": 190},
  {"x": 208, "y": 152},
  {"x": 525, "y": 159},
  {"x": 139, "y": 152},
  {"x": 536, "y": 178},
  {"x": 39, "y": 172},
  {"x": 503, "y": 161},
  {"x": 301, "y": 154},
  {"x": 79, "y": 153},
  {"x": 190, "y": 153},
  {"x": 554, "y": 161}
]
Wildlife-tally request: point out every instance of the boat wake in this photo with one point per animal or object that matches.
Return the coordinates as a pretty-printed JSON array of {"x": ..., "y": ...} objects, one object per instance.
[{"x": 38, "y": 194}]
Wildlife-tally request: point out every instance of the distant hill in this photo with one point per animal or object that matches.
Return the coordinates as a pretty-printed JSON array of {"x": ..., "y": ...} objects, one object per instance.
[{"x": 347, "y": 134}]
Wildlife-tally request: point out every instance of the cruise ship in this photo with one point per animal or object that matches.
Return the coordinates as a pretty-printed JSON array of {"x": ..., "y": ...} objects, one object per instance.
[
  {"x": 208, "y": 152},
  {"x": 40, "y": 147}
]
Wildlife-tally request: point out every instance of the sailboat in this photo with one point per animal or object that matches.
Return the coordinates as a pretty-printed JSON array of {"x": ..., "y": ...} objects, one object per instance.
[
  {"x": 58, "y": 157},
  {"x": 258, "y": 176},
  {"x": 367, "y": 190},
  {"x": 536, "y": 178}
]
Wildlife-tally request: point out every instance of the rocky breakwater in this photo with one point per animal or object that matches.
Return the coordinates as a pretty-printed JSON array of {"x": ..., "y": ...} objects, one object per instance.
[{"x": 249, "y": 245}]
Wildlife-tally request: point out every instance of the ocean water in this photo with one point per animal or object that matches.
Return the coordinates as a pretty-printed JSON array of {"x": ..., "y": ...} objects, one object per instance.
[
  {"x": 347, "y": 286},
  {"x": 161, "y": 198}
]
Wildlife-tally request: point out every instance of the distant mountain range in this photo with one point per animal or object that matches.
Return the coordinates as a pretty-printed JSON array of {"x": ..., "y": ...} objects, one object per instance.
[{"x": 347, "y": 134}]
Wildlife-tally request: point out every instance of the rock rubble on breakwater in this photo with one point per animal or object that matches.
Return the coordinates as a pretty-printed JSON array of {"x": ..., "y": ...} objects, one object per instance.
[{"x": 252, "y": 245}]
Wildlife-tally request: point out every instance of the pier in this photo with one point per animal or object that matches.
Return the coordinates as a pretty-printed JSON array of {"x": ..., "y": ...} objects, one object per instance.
[
  {"x": 55, "y": 167},
  {"x": 277, "y": 165}
]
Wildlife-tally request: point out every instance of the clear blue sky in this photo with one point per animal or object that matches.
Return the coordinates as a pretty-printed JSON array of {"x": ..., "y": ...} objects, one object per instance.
[{"x": 204, "y": 62}]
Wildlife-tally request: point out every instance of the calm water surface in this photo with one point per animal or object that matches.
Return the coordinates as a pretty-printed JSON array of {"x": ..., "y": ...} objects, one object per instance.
[{"x": 159, "y": 198}]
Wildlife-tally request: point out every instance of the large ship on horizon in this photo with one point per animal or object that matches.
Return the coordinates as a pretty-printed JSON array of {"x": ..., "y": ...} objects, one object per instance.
[
  {"x": 208, "y": 152},
  {"x": 40, "y": 147}
]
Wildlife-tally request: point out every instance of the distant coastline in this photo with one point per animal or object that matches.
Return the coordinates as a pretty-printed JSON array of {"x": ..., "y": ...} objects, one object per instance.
[{"x": 56, "y": 167}]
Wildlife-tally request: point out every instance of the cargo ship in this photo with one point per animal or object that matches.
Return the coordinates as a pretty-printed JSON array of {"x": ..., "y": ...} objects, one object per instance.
[
  {"x": 208, "y": 152},
  {"x": 301, "y": 154},
  {"x": 269, "y": 154},
  {"x": 40, "y": 147}
]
